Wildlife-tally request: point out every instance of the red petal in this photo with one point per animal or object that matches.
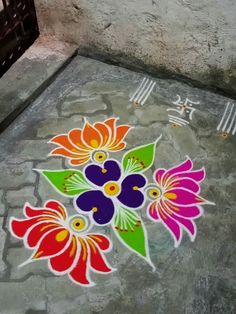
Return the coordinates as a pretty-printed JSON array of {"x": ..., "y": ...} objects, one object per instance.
[
  {"x": 97, "y": 261},
  {"x": 35, "y": 212},
  {"x": 39, "y": 231},
  {"x": 20, "y": 227},
  {"x": 65, "y": 260},
  {"x": 58, "y": 207},
  {"x": 53, "y": 243},
  {"x": 79, "y": 273},
  {"x": 102, "y": 241}
]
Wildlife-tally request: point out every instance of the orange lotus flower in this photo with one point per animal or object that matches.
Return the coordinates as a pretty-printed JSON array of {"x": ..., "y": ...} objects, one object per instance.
[{"x": 93, "y": 141}]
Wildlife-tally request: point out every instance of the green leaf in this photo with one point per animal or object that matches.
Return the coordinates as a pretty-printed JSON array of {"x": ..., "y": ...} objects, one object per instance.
[
  {"x": 67, "y": 182},
  {"x": 131, "y": 231},
  {"x": 139, "y": 159}
]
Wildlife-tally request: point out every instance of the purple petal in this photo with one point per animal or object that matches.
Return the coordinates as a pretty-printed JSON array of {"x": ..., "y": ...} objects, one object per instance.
[
  {"x": 133, "y": 180},
  {"x": 128, "y": 196},
  {"x": 96, "y": 201},
  {"x": 100, "y": 175},
  {"x": 133, "y": 199}
]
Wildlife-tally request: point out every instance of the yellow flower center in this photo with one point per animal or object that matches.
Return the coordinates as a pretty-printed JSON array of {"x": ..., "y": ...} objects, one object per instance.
[
  {"x": 111, "y": 188},
  {"x": 78, "y": 224},
  {"x": 154, "y": 193},
  {"x": 100, "y": 156}
]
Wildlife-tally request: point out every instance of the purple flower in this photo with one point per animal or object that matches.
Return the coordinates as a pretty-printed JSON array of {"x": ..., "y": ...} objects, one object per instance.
[{"x": 111, "y": 189}]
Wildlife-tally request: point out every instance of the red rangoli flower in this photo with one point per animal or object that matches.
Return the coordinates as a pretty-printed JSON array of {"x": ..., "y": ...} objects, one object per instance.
[
  {"x": 93, "y": 141},
  {"x": 63, "y": 240},
  {"x": 175, "y": 199}
]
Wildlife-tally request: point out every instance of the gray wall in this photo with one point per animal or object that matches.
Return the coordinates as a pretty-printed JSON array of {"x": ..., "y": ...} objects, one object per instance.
[{"x": 193, "y": 38}]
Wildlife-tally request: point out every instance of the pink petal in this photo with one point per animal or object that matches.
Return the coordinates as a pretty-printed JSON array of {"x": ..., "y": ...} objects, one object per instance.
[
  {"x": 152, "y": 211},
  {"x": 172, "y": 226},
  {"x": 185, "y": 211},
  {"x": 185, "y": 183},
  {"x": 158, "y": 175},
  {"x": 181, "y": 196},
  {"x": 188, "y": 225},
  {"x": 185, "y": 166},
  {"x": 196, "y": 175}
]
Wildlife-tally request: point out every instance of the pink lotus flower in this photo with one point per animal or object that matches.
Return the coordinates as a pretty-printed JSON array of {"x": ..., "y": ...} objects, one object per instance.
[{"x": 175, "y": 199}]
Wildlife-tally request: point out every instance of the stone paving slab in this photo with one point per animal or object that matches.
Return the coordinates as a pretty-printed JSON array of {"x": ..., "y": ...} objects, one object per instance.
[{"x": 197, "y": 277}]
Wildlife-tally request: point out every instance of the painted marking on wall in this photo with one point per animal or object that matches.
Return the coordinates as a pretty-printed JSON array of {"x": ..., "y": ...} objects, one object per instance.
[
  {"x": 142, "y": 93},
  {"x": 227, "y": 123},
  {"x": 184, "y": 109}
]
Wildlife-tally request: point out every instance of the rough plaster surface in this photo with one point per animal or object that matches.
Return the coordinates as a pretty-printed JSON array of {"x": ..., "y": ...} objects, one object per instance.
[
  {"x": 196, "y": 39},
  {"x": 196, "y": 278}
]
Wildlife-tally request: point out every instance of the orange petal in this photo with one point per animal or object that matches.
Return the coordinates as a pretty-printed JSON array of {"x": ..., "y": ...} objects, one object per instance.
[
  {"x": 76, "y": 138},
  {"x": 65, "y": 153},
  {"x": 118, "y": 147},
  {"x": 91, "y": 136},
  {"x": 104, "y": 132},
  {"x": 121, "y": 132},
  {"x": 111, "y": 123},
  {"x": 64, "y": 141},
  {"x": 80, "y": 161}
]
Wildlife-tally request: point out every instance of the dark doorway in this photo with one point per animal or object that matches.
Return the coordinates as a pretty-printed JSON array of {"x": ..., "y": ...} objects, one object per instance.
[{"x": 18, "y": 30}]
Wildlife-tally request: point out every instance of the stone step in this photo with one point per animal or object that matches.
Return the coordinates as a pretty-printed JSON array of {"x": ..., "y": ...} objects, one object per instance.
[{"x": 30, "y": 75}]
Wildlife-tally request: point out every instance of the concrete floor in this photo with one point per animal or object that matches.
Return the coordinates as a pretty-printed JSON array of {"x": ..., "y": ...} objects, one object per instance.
[{"x": 196, "y": 278}]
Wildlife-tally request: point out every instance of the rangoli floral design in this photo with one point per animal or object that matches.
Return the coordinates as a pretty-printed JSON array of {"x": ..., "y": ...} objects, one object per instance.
[{"x": 106, "y": 192}]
